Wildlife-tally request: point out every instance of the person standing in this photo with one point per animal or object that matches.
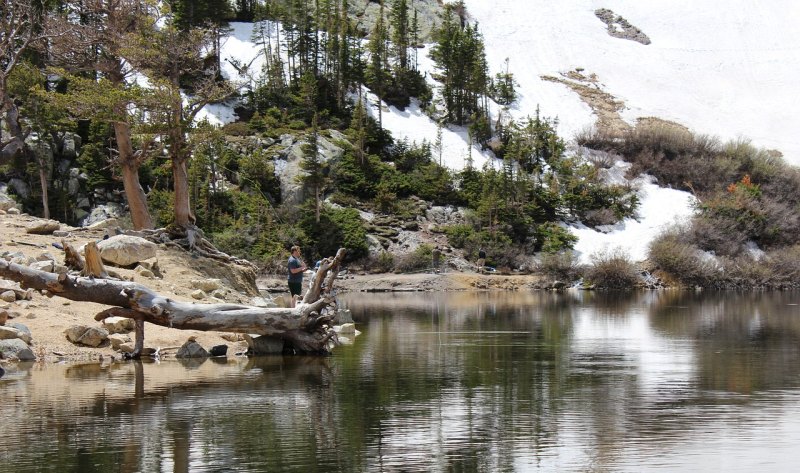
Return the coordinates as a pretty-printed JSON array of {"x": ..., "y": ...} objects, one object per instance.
[
  {"x": 481, "y": 259},
  {"x": 296, "y": 268}
]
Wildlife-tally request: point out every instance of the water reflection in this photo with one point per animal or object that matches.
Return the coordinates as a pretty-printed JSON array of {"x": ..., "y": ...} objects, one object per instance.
[{"x": 440, "y": 382}]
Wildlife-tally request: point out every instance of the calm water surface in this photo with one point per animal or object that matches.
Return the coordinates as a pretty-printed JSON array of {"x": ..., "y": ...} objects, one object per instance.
[{"x": 667, "y": 381}]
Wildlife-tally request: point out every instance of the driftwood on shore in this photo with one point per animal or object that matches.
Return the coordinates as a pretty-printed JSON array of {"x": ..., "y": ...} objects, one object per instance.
[{"x": 304, "y": 328}]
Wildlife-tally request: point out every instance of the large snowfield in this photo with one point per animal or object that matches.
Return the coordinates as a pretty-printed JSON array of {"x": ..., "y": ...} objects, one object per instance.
[{"x": 722, "y": 68}]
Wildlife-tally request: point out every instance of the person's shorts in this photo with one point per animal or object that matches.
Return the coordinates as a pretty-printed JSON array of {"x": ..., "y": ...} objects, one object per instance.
[{"x": 295, "y": 288}]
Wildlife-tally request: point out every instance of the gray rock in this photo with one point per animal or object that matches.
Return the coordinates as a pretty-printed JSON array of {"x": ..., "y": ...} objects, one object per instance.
[
  {"x": 89, "y": 336},
  {"x": 45, "y": 257},
  {"x": 13, "y": 211},
  {"x": 191, "y": 349},
  {"x": 103, "y": 212},
  {"x": 8, "y": 296},
  {"x": 16, "y": 349},
  {"x": 72, "y": 145},
  {"x": 198, "y": 294},
  {"x": 24, "y": 333},
  {"x": 42, "y": 227},
  {"x": 8, "y": 333},
  {"x": 20, "y": 188},
  {"x": 264, "y": 345},
  {"x": 46, "y": 266},
  {"x": 124, "y": 250}
]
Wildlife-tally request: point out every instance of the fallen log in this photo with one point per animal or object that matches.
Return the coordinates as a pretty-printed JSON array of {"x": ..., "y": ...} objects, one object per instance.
[{"x": 305, "y": 328}]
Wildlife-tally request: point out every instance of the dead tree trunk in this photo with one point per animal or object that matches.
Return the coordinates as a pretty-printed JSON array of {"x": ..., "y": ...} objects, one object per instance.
[{"x": 306, "y": 327}]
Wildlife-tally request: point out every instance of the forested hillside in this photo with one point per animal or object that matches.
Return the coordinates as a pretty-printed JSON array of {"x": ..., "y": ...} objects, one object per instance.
[{"x": 101, "y": 116}]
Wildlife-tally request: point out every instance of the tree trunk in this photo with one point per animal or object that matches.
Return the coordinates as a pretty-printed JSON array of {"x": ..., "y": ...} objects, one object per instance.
[
  {"x": 16, "y": 138},
  {"x": 43, "y": 184},
  {"x": 129, "y": 164},
  {"x": 305, "y": 328}
]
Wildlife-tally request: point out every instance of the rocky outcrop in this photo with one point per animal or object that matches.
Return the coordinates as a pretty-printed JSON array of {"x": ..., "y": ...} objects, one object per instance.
[{"x": 619, "y": 27}]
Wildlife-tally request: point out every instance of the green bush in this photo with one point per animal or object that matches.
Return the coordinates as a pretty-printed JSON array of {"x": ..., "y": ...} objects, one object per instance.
[
  {"x": 457, "y": 235},
  {"x": 611, "y": 270},
  {"x": 552, "y": 238},
  {"x": 237, "y": 129}
]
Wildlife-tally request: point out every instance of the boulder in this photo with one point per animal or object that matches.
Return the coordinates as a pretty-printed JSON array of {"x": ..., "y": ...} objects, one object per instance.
[
  {"x": 8, "y": 333},
  {"x": 8, "y": 296},
  {"x": 198, "y": 294},
  {"x": 42, "y": 227},
  {"x": 191, "y": 349},
  {"x": 124, "y": 250},
  {"x": 119, "y": 324},
  {"x": 219, "y": 350},
  {"x": 264, "y": 345},
  {"x": 16, "y": 349},
  {"x": 23, "y": 332},
  {"x": 89, "y": 336}
]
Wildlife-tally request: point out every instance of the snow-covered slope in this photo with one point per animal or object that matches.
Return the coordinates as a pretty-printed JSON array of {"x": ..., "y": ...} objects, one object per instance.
[{"x": 724, "y": 68}]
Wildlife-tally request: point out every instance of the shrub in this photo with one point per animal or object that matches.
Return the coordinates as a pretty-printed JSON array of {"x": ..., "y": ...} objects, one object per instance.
[
  {"x": 784, "y": 265},
  {"x": 457, "y": 235},
  {"x": 744, "y": 271},
  {"x": 612, "y": 270},
  {"x": 384, "y": 262},
  {"x": 671, "y": 253},
  {"x": 237, "y": 129},
  {"x": 563, "y": 266},
  {"x": 552, "y": 238},
  {"x": 418, "y": 260}
]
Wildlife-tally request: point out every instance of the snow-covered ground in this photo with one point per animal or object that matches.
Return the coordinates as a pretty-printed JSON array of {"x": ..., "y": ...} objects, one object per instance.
[{"x": 724, "y": 68}]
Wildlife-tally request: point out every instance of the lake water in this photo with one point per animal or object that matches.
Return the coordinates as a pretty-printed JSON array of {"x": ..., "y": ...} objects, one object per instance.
[{"x": 648, "y": 381}]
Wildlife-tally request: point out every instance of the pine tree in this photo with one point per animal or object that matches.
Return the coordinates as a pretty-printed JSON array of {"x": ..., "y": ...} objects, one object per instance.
[
  {"x": 312, "y": 164},
  {"x": 377, "y": 73},
  {"x": 400, "y": 33}
]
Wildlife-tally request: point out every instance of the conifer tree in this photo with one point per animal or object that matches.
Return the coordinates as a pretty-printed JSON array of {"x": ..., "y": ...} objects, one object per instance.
[
  {"x": 399, "y": 23},
  {"x": 312, "y": 164},
  {"x": 377, "y": 73}
]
